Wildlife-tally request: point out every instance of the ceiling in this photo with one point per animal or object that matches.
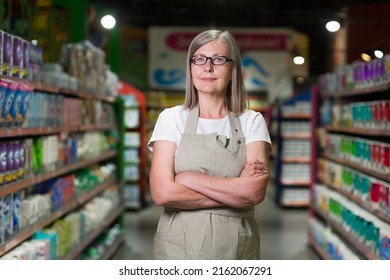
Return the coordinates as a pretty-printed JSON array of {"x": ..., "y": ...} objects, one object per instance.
[
  {"x": 306, "y": 16},
  {"x": 226, "y": 12}
]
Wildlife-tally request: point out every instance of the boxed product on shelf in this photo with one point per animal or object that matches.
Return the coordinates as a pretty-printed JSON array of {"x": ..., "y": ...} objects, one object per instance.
[
  {"x": 16, "y": 212},
  {"x": 33, "y": 208},
  {"x": 7, "y": 217},
  {"x": 51, "y": 240},
  {"x": 1, "y": 220},
  {"x": 7, "y": 53}
]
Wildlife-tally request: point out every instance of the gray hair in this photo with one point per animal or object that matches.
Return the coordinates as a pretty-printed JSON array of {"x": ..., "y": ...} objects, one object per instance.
[{"x": 236, "y": 96}]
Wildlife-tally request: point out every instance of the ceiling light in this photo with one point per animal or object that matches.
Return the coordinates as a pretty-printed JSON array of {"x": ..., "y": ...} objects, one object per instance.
[
  {"x": 108, "y": 21},
  {"x": 298, "y": 60},
  {"x": 332, "y": 26},
  {"x": 378, "y": 53},
  {"x": 366, "y": 57}
]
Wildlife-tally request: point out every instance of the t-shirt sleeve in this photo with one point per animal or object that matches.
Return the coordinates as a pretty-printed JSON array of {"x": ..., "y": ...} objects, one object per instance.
[
  {"x": 257, "y": 129},
  {"x": 163, "y": 129}
]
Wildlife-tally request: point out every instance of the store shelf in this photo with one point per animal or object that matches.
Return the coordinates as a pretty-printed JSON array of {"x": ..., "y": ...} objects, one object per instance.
[
  {"x": 39, "y": 86},
  {"x": 95, "y": 233},
  {"x": 45, "y": 110},
  {"x": 24, "y": 234},
  {"x": 298, "y": 116},
  {"x": 317, "y": 248},
  {"x": 293, "y": 151},
  {"x": 358, "y": 131},
  {"x": 296, "y": 160},
  {"x": 38, "y": 178},
  {"x": 358, "y": 201},
  {"x": 298, "y": 204},
  {"x": 351, "y": 239},
  {"x": 357, "y": 92},
  {"x": 371, "y": 172},
  {"x": 22, "y": 132},
  {"x": 132, "y": 171},
  {"x": 113, "y": 248},
  {"x": 360, "y": 127},
  {"x": 297, "y": 183},
  {"x": 297, "y": 135}
]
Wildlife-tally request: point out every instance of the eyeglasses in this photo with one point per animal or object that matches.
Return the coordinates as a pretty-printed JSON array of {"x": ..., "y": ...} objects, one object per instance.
[{"x": 215, "y": 60}]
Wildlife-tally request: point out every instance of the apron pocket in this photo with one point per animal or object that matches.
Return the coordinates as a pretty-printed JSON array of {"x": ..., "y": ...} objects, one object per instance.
[
  {"x": 169, "y": 246},
  {"x": 248, "y": 247}
]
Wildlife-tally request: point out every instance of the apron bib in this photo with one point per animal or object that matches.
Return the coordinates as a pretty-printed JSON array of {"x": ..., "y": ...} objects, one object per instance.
[{"x": 211, "y": 233}]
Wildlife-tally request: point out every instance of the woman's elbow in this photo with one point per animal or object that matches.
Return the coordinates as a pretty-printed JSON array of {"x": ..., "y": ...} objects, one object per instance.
[
  {"x": 158, "y": 195},
  {"x": 260, "y": 190},
  {"x": 158, "y": 199}
]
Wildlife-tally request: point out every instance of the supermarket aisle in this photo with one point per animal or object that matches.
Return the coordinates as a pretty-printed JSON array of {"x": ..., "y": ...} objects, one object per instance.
[{"x": 283, "y": 233}]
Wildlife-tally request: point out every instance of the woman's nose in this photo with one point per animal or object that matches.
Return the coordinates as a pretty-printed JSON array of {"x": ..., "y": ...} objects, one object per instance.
[{"x": 208, "y": 67}]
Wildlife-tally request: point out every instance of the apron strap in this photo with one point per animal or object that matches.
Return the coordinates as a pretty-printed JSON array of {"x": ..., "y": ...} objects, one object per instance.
[
  {"x": 192, "y": 123},
  {"x": 222, "y": 211},
  {"x": 235, "y": 125}
]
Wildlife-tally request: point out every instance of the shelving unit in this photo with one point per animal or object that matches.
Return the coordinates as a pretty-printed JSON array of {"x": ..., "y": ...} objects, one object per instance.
[
  {"x": 132, "y": 150},
  {"x": 350, "y": 190},
  {"x": 22, "y": 234},
  {"x": 258, "y": 101},
  {"x": 292, "y": 175},
  {"x": 157, "y": 101}
]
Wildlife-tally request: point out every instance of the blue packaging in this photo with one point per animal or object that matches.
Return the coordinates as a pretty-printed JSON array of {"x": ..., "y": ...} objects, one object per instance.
[
  {"x": 25, "y": 103},
  {"x": 3, "y": 161},
  {"x": 7, "y": 54},
  {"x": 8, "y": 100},
  {"x": 7, "y": 217},
  {"x": 16, "y": 212},
  {"x": 14, "y": 110},
  {"x": 1, "y": 220},
  {"x": 10, "y": 162},
  {"x": 52, "y": 237},
  {"x": 3, "y": 89}
]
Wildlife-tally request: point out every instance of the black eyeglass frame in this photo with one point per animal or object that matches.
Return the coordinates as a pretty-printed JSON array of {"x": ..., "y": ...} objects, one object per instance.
[{"x": 211, "y": 59}]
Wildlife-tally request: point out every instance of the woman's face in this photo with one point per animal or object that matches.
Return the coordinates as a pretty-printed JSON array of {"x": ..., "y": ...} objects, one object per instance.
[{"x": 209, "y": 78}]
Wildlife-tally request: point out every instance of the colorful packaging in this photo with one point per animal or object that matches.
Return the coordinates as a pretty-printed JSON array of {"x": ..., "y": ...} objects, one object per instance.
[
  {"x": 1, "y": 49},
  {"x": 7, "y": 54},
  {"x": 3, "y": 89},
  {"x": 3, "y": 162},
  {"x": 10, "y": 162},
  {"x": 25, "y": 103},
  {"x": 16, "y": 215},
  {"x": 25, "y": 59},
  {"x": 14, "y": 112},
  {"x": 51, "y": 236},
  {"x": 17, "y": 56},
  {"x": 20, "y": 148},
  {"x": 7, "y": 217},
  {"x": 1, "y": 220},
  {"x": 8, "y": 100}
]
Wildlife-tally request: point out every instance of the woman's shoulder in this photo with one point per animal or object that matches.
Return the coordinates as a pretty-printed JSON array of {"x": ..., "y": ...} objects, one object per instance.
[
  {"x": 175, "y": 112},
  {"x": 178, "y": 109},
  {"x": 250, "y": 114}
]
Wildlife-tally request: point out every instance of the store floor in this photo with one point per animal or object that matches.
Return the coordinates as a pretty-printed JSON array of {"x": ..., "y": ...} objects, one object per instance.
[{"x": 283, "y": 233}]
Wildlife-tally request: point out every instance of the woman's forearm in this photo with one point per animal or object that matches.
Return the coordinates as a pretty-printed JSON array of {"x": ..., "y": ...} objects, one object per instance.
[
  {"x": 239, "y": 192},
  {"x": 179, "y": 196}
]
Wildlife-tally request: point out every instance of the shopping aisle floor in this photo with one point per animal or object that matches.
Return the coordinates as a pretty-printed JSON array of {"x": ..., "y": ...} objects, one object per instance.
[{"x": 283, "y": 233}]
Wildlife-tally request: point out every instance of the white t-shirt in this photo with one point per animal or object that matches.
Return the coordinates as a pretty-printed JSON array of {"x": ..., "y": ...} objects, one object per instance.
[{"x": 171, "y": 123}]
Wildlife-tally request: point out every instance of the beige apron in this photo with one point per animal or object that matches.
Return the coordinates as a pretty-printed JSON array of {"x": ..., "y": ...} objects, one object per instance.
[{"x": 212, "y": 233}]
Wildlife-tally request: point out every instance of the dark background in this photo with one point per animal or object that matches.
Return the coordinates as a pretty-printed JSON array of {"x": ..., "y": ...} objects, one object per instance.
[{"x": 306, "y": 16}]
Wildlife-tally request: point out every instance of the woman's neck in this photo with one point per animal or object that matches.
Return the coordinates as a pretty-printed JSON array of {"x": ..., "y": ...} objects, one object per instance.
[{"x": 212, "y": 109}]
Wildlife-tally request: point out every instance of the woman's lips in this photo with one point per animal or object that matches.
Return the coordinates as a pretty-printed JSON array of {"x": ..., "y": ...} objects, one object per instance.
[{"x": 208, "y": 79}]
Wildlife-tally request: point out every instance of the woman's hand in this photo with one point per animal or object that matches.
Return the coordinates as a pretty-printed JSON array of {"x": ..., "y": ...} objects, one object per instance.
[{"x": 254, "y": 169}]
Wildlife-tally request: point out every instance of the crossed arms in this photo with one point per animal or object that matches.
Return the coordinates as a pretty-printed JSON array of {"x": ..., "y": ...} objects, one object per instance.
[{"x": 191, "y": 190}]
